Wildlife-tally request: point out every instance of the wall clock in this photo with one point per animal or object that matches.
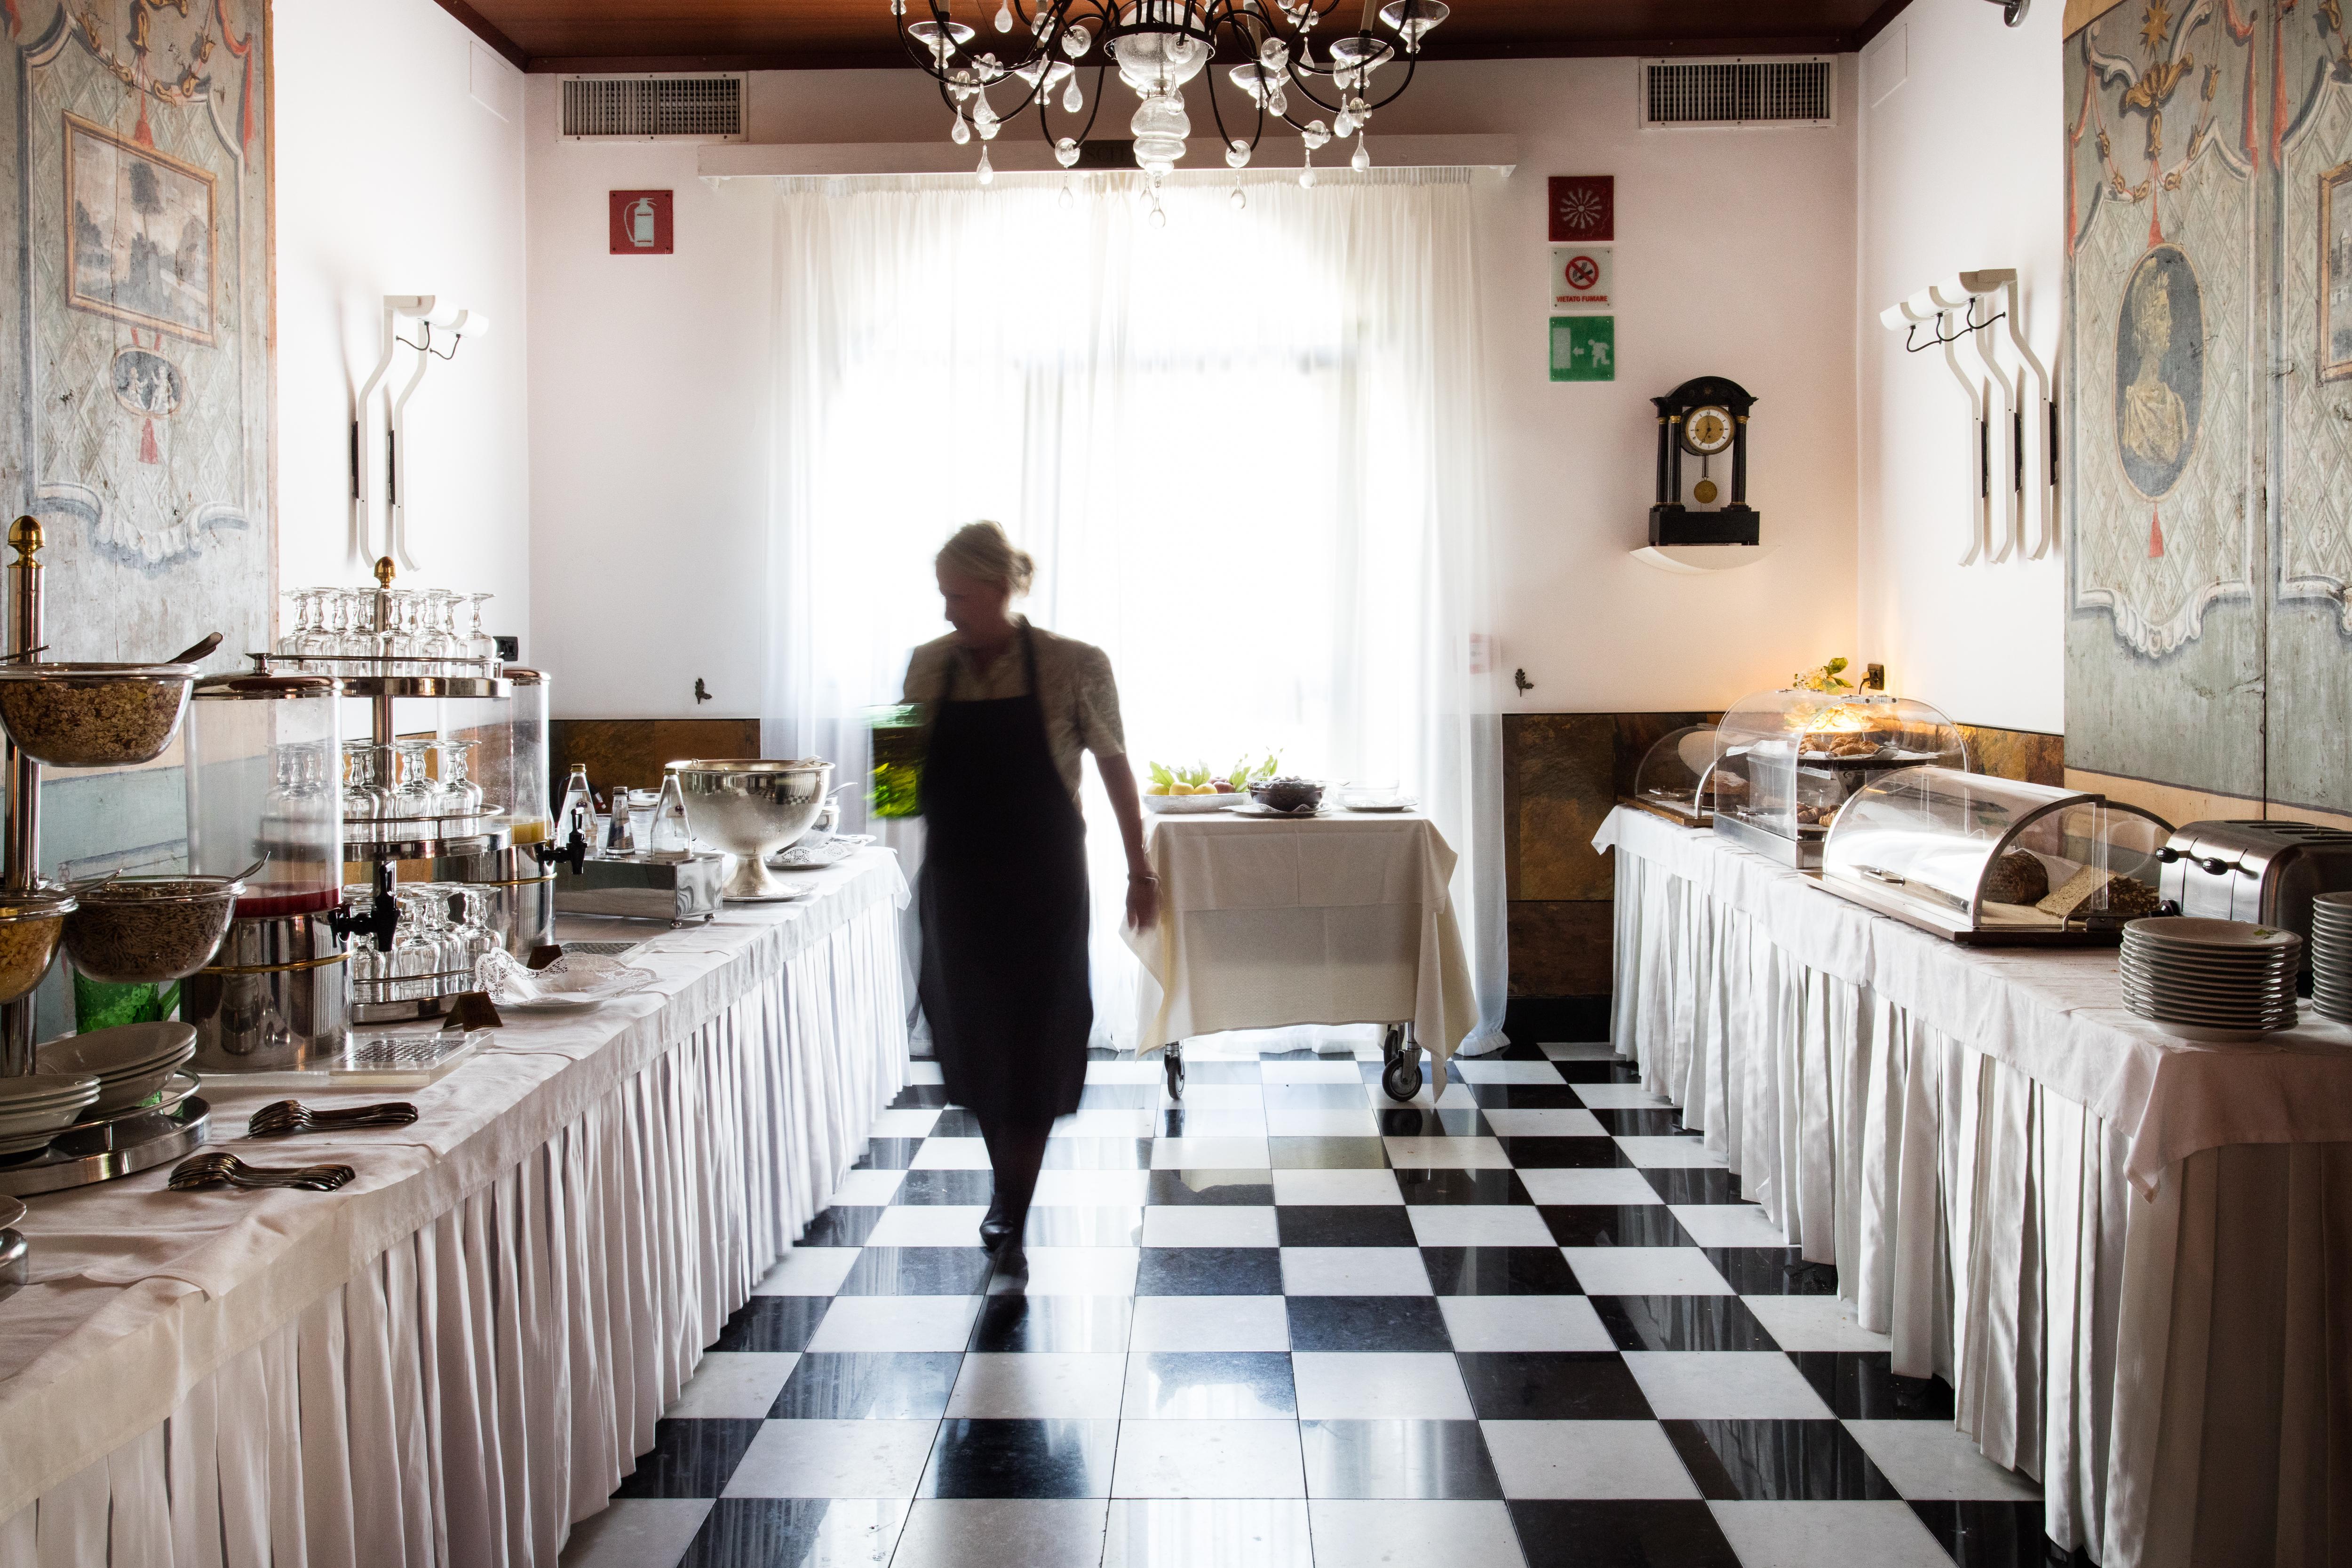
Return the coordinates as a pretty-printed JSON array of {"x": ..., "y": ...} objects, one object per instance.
[{"x": 1705, "y": 419}]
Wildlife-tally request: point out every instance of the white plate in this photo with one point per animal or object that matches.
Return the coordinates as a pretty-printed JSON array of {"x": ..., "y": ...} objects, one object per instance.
[
  {"x": 1400, "y": 805},
  {"x": 1252, "y": 808},
  {"x": 2183, "y": 931},
  {"x": 2206, "y": 1036},
  {"x": 36, "y": 1091},
  {"x": 831, "y": 852},
  {"x": 11, "y": 1211},
  {"x": 572, "y": 983}
]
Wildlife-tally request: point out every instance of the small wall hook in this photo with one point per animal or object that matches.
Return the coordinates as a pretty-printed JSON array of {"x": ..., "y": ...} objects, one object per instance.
[
  {"x": 1519, "y": 679},
  {"x": 701, "y": 692}
]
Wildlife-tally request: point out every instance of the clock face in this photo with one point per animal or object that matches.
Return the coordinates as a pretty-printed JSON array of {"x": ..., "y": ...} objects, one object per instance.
[{"x": 1706, "y": 430}]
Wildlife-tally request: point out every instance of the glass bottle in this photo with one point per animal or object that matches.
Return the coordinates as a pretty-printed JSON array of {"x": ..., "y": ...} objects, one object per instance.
[
  {"x": 620, "y": 834},
  {"x": 578, "y": 812},
  {"x": 672, "y": 836}
]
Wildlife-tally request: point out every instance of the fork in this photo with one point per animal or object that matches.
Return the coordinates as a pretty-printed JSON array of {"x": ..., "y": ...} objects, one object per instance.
[
  {"x": 217, "y": 1166},
  {"x": 284, "y": 1117}
]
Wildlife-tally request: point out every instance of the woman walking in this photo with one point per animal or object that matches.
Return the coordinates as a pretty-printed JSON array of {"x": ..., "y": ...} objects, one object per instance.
[{"x": 1003, "y": 903}]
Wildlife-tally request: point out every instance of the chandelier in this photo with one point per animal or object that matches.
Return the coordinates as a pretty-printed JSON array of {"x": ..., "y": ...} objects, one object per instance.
[{"x": 1159, "y": 47}]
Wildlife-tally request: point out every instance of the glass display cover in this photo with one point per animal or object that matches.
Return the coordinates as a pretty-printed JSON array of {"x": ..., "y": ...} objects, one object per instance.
[
  {"x": 264, "y": 779},
  {"x": 1788, "y": 760},
  {"x": 1671, "y": 777}
]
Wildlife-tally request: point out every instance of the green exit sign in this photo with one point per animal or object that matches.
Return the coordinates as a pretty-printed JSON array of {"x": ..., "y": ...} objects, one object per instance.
[{"x": 1584, "y": 348}]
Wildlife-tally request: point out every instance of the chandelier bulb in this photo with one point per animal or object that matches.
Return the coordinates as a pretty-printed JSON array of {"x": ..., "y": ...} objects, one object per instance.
[
  {"x": 986, "y": 171},
  {"x": 1066, "y": 152},
  {"x": 1314, "y": 135},
  {"x": 1278, "y": 101},
  {"x": 1237, "y": 154},
  {"x": 959, "y": 132},
  {"x": 1307, "y": 178},
  {"x": 1075, "y": 41},
  {"x": 1239, "y": 200},
  {"x": 1072, "y": 100},
  {"x": 1005, "y": 15},
  {"x": 1362, "y": 160},
  {"x": 1345, "y": 126}
]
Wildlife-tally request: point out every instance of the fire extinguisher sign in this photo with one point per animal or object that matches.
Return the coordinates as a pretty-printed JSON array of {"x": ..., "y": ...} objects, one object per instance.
[{"x": 640, "y": 223}]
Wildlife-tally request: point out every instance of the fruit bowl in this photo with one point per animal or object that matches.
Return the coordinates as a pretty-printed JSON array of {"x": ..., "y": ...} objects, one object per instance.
[
  {"x": 1176, "y": 803},
  {"x": 1295, "y": 795}
]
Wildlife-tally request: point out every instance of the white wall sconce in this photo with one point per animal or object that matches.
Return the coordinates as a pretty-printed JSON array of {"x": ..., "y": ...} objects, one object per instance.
[{"x": 430, "y": 319}]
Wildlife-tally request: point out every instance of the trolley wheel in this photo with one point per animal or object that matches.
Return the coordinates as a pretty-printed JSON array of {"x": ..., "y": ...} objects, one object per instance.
[
  {"x": 1401, "y": 1079},
  {"x": 1172, "y": 1062}
]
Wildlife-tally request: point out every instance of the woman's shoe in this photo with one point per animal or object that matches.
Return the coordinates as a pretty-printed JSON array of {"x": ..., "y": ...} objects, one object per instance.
[
  {"x": 1010, "y": 1259},
  {"x": 994, "y": 1230}
]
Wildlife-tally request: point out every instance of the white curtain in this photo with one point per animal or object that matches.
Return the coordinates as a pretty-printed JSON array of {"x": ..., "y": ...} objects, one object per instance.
[{"x": 1245, "y": 445}]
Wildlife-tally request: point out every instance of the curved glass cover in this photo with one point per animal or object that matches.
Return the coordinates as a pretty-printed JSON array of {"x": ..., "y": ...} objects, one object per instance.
[
  {"x": 1790, "y": 759},
  {"x": 1670, "y": 776},
  {"x": 1974, "y": 852}
]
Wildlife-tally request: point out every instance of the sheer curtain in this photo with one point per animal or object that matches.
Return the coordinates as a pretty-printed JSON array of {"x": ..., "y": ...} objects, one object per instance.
[{"x": 1244, "y": 447}]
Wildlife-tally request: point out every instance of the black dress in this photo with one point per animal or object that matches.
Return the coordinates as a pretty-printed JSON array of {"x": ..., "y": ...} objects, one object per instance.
[{"x": 1004, "y": 911}]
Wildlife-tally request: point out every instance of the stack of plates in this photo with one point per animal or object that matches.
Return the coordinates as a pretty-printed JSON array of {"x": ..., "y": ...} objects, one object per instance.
[
  {"x": 2331, "y": 956},
  {"x": 38, "y": 1106},
  {"x": 2211, "y": 980},
  {"x": 130, "y": 1061}
]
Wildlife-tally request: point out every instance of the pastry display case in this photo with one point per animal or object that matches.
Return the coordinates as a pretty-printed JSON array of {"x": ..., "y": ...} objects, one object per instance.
[
  {"x": 1991, "y": 861},
  {"x": 1787, "y": 761},
  {"x": 1677, "y": 775}
]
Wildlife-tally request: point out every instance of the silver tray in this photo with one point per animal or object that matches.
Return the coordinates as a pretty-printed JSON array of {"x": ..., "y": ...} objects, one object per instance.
[{"x": 120, "y": 1145}]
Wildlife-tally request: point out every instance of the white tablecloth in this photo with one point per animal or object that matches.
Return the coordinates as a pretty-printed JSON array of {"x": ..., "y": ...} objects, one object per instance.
[
  {"x": 2124, "y": 1251},
  {"x": 457, "y": 1357},
  {"x": 1341, "y": 918}
]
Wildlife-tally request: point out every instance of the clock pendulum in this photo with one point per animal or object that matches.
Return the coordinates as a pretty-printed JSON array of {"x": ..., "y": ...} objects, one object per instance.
[{"x": 1702, "y": 418}]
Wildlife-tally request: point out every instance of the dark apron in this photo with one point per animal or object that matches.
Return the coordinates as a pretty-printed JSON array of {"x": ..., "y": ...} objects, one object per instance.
[{"x": 1004, "y": 911}]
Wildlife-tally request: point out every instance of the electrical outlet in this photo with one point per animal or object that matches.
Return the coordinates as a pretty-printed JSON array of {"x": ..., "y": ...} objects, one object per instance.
[
  {"x": 510, "y": 648},
  {"x": 1873, "y": 677}
]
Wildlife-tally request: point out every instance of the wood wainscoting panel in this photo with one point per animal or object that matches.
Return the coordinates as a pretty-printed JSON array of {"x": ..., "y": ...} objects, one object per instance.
[{"x": 631, "y": 752}]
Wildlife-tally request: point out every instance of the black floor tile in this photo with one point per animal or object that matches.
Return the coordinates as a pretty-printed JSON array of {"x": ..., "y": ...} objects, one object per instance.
[
  {"x": 1328, "y": 1153},
  {"x": 1693, "y": 1184},
  {"x": 772, "y": 1323},
  {"x": 1647, "y": 1533},
  {"x": 1641, "y": 1124},
  {"x": 689, "y": 1458},
  {"x": 788, "y": 1533},
  {"x": 1990, "y": 1534},
  {"x": 1618, "y": 1224},
  {"x": 1682, "y": 1323},
  {"x": 921, "y": 1097},
  {"x": 867, "y": 1386},
  {"x": 1119, "y": 1097},
  {"x": 1599, "y": 1072},
  {"x": 1498, "y": 1272},
  {"x": 1773, "y": 1271},
  {"x": 1097, "y": 1155},
  {"x": 1344, "y": 1225},
  {"x": 1524, "y": 1097},
  {"x": 1209, "y": 1386},
  {"x": 1022, "y": 1460},
  {"x": 1210, "y": 1271},
  {"x": 960, "y": 1187},
  {"x": 842, "y": 1227},
  {"x": 1565, "y": 1154},
  {"x": 1409, "y": 1121},
  {"x": 1367, "y": 1323},
  {"x": 1253, "y": 1189},
  {"x": 1011, "y": 1321},
  {"x": 1461, "y": 1187},
  {"x": 1552, "y": 1385},
  {"x": 956, "y": 1122},
  {"x": 1397, "y": 1459},
  {"x": 1777, "y": 1461},
  {"x": 1860, "y": 1386},
  {"x": 889, "y": 1153},
  {"x": 917, "y": 1271}
]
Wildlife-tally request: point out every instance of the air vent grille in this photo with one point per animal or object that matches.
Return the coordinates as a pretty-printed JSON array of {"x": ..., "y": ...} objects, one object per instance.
[
  {"x": 653, "y": 108},
  {"x": 1739, "y": 92}
]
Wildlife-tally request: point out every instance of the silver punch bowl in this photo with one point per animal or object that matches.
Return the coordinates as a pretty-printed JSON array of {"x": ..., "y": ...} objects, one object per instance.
[{"x": 751, "y": 809}]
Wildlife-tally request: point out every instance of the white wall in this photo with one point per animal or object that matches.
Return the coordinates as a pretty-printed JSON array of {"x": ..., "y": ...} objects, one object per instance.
[
  {"x": 1961, "y": 169},
  {"x": 1734, "y": 254},
  {"x": 394, "y": 177}
]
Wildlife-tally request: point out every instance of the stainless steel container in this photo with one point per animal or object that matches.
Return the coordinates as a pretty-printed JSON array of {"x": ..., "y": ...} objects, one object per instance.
[
  {"x": 520, "y": 890},
  {"x": 678, "y": 891},
  {"x": 272, "y": 999},
  {"x": 751, "y": 808},
  {"x": 2262, "y": 872}
]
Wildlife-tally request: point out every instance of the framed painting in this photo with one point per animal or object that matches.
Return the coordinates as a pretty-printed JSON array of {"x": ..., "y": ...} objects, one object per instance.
[
  {"x": 2336, "y": 274},
  {"x": 139, "y": 235}
]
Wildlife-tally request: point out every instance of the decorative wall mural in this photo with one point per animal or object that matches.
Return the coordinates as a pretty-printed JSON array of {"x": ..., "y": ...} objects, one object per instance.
[
  {"x": 2336, "y": 273},
  {"x": 2160, "y": 370},
  {"x": 139, "y": 343}
]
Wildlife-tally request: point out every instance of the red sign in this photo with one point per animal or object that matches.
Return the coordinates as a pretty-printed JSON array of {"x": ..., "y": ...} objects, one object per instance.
[
  {"x": 1583, "y": 207},
  {"x": 1583, "y": 272},
  {"x": 640, "y": 223}
]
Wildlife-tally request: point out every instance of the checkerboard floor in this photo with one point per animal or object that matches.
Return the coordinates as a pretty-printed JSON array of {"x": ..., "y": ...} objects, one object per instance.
[{"x": 1524, "y": 1320}]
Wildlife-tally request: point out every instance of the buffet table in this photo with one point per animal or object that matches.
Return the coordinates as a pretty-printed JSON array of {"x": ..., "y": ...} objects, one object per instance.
[
  {"x": 460, "y": 1353},
  {"x": 1342, "y": 918},
  {"x": 2124, "y": 1251}
]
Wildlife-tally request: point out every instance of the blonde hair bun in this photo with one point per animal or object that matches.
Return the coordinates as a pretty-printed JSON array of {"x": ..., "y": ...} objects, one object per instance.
[{"x": 983, "y": 550}]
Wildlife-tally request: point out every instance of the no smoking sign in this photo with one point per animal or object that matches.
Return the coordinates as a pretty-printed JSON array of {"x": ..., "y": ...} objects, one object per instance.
[{"x": 1581, "y": 278}]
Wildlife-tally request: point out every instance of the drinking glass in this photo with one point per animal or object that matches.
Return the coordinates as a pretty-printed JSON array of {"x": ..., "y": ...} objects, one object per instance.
[
  {"x": 436, "y": 636},
  {"x": 460, "y": 795},
  {"x": 479, "y": 643},
  {"x": 414, "y": 793},
  {"x": 366, "y": 798}
]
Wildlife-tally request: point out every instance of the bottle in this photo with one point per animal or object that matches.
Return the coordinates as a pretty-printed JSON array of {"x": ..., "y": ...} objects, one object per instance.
[
  {"x": 578, "y": 812},
  {"x": 898, "y": 740},
  {"x": 620, "y": 839},
  {"x": 671, "y": 838}
]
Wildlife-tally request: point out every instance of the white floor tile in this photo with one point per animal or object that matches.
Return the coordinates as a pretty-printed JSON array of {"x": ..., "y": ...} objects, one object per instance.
[
  {"x": 1431, "y": 1096},
  {"x": 925, "y": 1072},
  {"x": 1808, "y": 1534},
  {"x": 1336, "y": 1188},
  {"x": 809, "y": 1271},
  {"x": 1378, "y": 1385},
  {"x": 1144, "y": 1071},
  {"x": 914, "y": 1123},
  {"x": 865, "y": 1189},
  {"x": 834, "y": 1459},
  {"x": 1343, "y": 1070},
  {"x": 1210, "y": 1324},
  {"x": 1413, "y": 1535},
  {"x": 1928, "y": 1460},
  {"x": 1074, "y": 1271},
  {"x": 1329, "y": 1123},
  {"x": 1729, "y": 1224},
  {"x": 1171, "y": 1532},
  {"x": 1616, "y": 1185},
  {"x": 1215, "y": 1096},
  {"x": 1106, "y": 1122},
  {"x": 1524, "y": 1323},
  {"x": 1669, "y": 1153},
  {"x": 951, "y": 1154},
  {"x": 1479, "y": 1225},
  {"x": 1724, "y": 1385},
  {"x": 739, "y": 1384},
  {"x": 1209, "y": 1458},
  {"x": 1586, "y": 1460},
  {"x": 1040, "y": 1385},
  {"x": 1209, "y": 1153},
  {"x": 1814, "y": 1324},
  {"x": 928, "y": 1224},
  {"x": 1578, "y": 1051},
  {"x": 1448, "y": 1154},
  {"x": 1562, "y": 1123},
  {"x": 635, "y": 1533},
  {"x": 1353, "y": 1271},
  {"x": 1091, "y": 1189},
  {"x": 1487, "y": 1070},
  {"x": 1210, "y": 1224},
  {"x": 1622, "y": 1096},
  {"x": 894, "y": 1323},
  {"x": 1645, "y": 1271},
  {"x": 1201, "y": 1123},
  {"x": 1002, "y": 1533}
]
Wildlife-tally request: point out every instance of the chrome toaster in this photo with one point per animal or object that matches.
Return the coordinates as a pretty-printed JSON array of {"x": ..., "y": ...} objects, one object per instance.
[{"x": 2266, "y": 873}]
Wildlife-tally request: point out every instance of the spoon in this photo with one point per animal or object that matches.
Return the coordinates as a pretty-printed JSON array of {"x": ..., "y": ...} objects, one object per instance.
[{"x": 195, "y": 652}]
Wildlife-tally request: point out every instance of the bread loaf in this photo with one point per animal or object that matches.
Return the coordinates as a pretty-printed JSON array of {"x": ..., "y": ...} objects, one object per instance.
[{"x": 2017, "y": 877}]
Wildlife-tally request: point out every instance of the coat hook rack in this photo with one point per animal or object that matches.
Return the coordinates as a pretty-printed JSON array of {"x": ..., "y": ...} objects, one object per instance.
[
  {"x": 1911, "y": 346},
  {"x": 431, "y": 317}
]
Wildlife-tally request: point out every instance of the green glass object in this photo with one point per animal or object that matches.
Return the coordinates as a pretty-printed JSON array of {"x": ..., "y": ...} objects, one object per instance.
[
  {"x": 897, "y": 738},
  {"x": 100, "y": 1004}
]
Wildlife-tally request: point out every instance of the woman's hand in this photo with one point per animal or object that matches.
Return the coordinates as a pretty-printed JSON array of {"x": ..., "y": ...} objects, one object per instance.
[{"x": 1142, "y": 899}]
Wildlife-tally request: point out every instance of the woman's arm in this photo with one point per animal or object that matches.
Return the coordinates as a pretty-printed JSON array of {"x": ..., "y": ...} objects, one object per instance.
[{"x": 1142, "y": 883}]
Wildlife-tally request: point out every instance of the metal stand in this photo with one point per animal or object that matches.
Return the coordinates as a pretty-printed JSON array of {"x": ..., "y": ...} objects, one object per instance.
[{"x": 1400, "y": 1078}]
